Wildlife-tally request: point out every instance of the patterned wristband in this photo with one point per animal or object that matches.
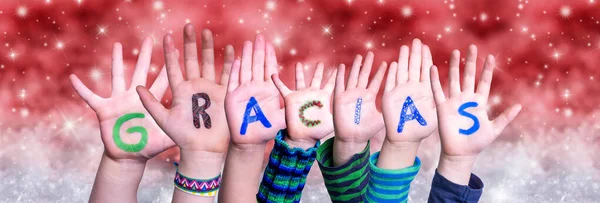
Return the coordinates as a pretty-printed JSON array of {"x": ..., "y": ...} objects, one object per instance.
[{"x": 200, "y": 187}]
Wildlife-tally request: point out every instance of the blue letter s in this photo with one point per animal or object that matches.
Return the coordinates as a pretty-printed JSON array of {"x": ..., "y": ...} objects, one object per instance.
[{"x": 462, "y": 112}]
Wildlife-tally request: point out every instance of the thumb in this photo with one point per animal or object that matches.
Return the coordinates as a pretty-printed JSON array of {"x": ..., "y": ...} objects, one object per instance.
[
  {"x": 154, "y": 107},
  {"x": 284, "y": 90},
  {"x": 505, "y": 118}
]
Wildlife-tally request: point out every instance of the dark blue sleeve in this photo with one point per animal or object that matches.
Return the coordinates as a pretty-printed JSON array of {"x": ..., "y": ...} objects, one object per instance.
[{"x": 445, "y": 191}]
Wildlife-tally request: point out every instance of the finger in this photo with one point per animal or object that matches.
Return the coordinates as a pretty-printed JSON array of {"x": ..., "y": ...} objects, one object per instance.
[
  {"x": 208, "y": 56},
  {"x": 353, "y": 77},
  {"x": 378, "y": 78},
  {"x": 505, "y": 118},
  {"x": 190, "y": 52},
  {"x": 330, "y": 84},
  {"x": 390, "y": 81},
  {"x": 155, "y": 108},
  {"x": 143, "y": 63},
  {"x": 317, "y": 76},
  {"x": 485, "y": 82},
  {"x": 365, "y": 72},
  {"x": 426, "y": 64},
  {"x": 227, "y": 63},
  {"x": 258, "y": 58},
  {"x": 118, "y": 73},
  {"x": 300, "y": 77},
  {"x": 436, "y": 87},
  {"x": 160, "y": 85},
  {"x": 234, "y": 78},
  {"x": 454, "y": 76},
  {"x": 468, "y": 84},
  {"x": 172, "y": 62},
  {"x": 84, "y": 92},
  {"x": 284, "y": 90},
  {"x": 271, "y": 66},
  {"x": 246, "y": 63},
  {"x": 402, "y": 74},
  {"x": 339, "y": 80},
  {"x": 414, "y": 66}
]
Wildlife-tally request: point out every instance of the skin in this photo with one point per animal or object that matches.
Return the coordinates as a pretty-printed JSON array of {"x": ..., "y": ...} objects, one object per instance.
[
  {"x": 299, "y": 135},
  {"x": 409, "y": 77},
  {"x": 250, "y": 77},
  {"x": 351, "y": 138},
  {"x": 460, "y": 151},
  {"x": 198, "y": 146},
  {"x": 120, "y": 172}
]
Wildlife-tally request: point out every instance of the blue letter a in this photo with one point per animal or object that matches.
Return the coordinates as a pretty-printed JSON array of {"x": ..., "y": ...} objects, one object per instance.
[
  {"x": 259, "y": 116},
  {"x": 462, "y": 112},
  {"x": 414, "y": 114}
]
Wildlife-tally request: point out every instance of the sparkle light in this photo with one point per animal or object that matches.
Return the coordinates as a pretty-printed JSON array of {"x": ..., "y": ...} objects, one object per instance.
[
  {"x": 158, "y": 5},
  {"x": 270, "y": 5},
  {"x": 23, "y": 94},
  {"x": 12, "y": 55},
  {"x": 369, "y": 45},
  {"x": 101, "y": 30},
  {"x": 483, "y": 17},
  {"x": 22, "y": 11},
  {"x": 556, "y": 55},
  {"x": 326, "y": 30},
  {"x": 565, "y": 11},
  {"x": 277, "y": 41},
  {"x": 96, "y": 74},
  {"x": 60, "y": 45},
  {"x": 406, "y": 11}
]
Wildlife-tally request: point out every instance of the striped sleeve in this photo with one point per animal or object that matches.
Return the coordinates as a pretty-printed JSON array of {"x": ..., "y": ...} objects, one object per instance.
[
  {"x": 286, "y": 172},
  {"x": 347, "y": 182},
  {"x": 388, "y": 185}
]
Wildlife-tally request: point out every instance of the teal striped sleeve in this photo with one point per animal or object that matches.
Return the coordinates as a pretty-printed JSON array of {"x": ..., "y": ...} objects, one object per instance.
[
  {"x": 347, "y": 182},
  {"x": 390, "y": 185},
  {"x": 286, "y": 172}
]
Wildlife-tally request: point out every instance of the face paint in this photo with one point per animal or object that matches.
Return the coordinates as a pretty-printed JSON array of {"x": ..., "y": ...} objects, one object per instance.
[
  {"x": 198, "y": 111},
  {"x": 405, "y": 117},
  {"x": 357, "y": 111},
  {"x": 308, "y": 122},
  {"x": 462, "y": 112},
  {"x": 136, "y": 129},
  {"x": 259, "y": 116}
]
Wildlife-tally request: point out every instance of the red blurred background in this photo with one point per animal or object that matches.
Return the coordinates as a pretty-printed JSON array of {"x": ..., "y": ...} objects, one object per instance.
[{"x": 547, "y": 52}]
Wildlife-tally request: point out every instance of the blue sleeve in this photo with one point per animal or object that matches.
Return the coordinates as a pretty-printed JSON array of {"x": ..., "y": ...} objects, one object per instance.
[
  {"x": 445, "y": 191},
  {"x": 390, "y": 185}
]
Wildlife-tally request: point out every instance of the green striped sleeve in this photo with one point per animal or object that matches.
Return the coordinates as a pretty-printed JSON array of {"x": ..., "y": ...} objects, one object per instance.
[
  {"x": 347, "y": 182},
  {"x": 388, "y": 185}
]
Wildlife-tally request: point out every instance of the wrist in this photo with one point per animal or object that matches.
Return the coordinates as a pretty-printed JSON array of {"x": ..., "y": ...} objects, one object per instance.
[
  {"x": 344, "y": 150},
  {"x": 457, "y": 169},
  {"x": 299, "y": 143},
  {"x": 121, "y": 171},
  {"x": 397, "y": 155},
  {"x": 200, "y": 164}
]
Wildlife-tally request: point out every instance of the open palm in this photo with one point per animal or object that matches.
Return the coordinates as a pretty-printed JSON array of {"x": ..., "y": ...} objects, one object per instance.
[
  {"x": 308, "y": 109},
  {"x": 466, "y": 132},
  {"x": 250, "y": 88},
  {"x": 355, "y": 115},
  {"x": 126, "y": 128},
  {"x": 406, "y": 81},
  {"x": 196, "y": 130}
]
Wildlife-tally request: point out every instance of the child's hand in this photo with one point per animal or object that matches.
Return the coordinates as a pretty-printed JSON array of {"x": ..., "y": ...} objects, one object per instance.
[
  {"x": 196, "y": 121},
  {"x": 252, "y": 106},
  {"x": 126, "y": 129},
  {"x": 465, "y": 129},
  {"x": 408, "y": 106},
  {"x": 308, "y": 115},
  {"x": 355, "y": 116}
]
